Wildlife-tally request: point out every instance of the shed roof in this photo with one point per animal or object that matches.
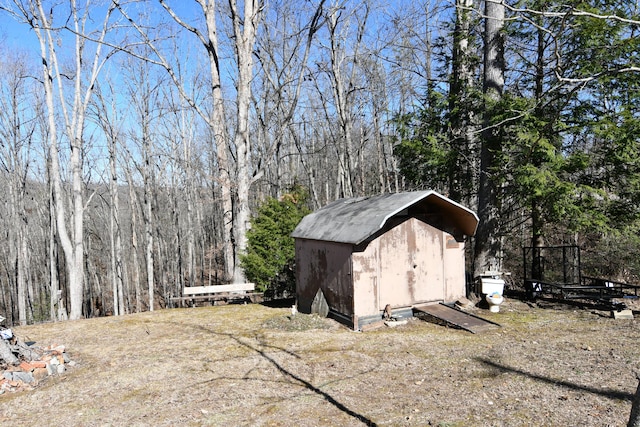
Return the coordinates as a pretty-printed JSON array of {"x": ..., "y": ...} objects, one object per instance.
[{"x": 354, "y": 220}]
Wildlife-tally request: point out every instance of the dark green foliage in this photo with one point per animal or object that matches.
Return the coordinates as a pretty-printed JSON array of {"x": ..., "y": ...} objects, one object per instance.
[
  {"x": 429, "y": 155},
  {"x": 423, "y": 154},
  {"x": 615, "y": 255},
  {"x": 269, "y": 261},
  {"x": 568, "y": 127}
]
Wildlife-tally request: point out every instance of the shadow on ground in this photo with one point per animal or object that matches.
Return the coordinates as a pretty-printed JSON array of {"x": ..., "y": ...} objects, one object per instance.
[
  {"x": 289, "y": 374},
  {"x": 609, "y": 393}
]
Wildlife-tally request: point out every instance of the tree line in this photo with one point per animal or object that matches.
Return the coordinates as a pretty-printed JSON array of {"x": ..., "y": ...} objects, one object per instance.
[{"x": 138, "y": 138}]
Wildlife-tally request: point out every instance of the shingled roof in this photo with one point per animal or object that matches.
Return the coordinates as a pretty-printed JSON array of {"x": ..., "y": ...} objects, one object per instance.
[{"x": 355, "y": 220}]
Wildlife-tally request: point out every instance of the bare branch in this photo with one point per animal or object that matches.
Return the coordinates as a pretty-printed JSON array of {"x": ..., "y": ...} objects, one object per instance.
[
  {"x": 184, "y": 24},
  {"x": 572, "y": 12},
  {"x": 162, "y": 62},
  {"x": 597, "y": 75}
]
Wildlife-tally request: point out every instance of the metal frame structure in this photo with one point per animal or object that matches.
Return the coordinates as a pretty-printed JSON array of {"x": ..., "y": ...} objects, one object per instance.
[{"x": 556, "y": 270}]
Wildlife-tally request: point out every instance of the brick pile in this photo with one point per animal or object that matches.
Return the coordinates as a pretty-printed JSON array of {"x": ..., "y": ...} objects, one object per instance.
[{"x": 32, "y": 370}]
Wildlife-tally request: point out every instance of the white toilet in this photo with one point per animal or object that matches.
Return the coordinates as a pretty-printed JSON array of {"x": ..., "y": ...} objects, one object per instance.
[{"x": 492, "y": 286}]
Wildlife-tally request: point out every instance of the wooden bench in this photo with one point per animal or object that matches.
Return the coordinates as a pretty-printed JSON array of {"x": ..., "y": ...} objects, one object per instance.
[{"x": 235, "y": 292}]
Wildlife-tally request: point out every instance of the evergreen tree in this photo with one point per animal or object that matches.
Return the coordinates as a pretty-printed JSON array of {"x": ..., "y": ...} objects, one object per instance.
[
  {"x": 438, "y": 146},
  {"x": 270, "y": 257},
  {"x": 425, "y": 157}
]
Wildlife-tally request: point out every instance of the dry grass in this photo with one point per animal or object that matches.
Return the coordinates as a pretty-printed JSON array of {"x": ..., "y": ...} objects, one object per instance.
[{"x": 250, "y": 365}]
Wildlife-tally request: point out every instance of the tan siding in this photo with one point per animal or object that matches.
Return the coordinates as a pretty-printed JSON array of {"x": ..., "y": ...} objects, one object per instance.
[
  {"x": 411, "y": 263},
  {"x": 366, "y": 276},
  {"x": 454, "y": 267}
]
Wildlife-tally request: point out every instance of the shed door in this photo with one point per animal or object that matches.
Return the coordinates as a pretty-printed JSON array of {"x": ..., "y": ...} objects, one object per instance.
[{"x": 411, "y": 265}]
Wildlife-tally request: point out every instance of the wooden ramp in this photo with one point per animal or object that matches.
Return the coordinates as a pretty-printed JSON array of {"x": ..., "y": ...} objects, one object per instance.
[{"x": 451, "y": 316}]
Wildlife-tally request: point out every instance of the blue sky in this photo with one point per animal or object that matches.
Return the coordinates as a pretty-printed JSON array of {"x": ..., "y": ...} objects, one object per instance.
[{"x": 15, "y": 35}]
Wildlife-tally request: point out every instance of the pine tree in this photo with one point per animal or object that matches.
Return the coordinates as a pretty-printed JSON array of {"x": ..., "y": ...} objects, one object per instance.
[{"x": 269, "y": 262}]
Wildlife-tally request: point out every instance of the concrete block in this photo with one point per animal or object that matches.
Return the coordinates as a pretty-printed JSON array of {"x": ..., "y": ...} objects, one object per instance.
[{"x": 622, "y": 314}]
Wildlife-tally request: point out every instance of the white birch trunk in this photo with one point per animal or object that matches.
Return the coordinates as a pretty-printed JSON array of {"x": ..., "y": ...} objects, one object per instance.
[
  {"x": 244, "y": 29},
  {"x": 135, "y": 261},
  {"x": 115, "y": 232},
  {"x": 21, "y": 277},
  {"x": 72, "y": 240}
]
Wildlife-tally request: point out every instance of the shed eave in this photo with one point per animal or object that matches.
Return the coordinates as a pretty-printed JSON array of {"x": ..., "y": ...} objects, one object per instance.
[
  {"x": 354, "y": 221},
  {"x": 468, "y": 225}
]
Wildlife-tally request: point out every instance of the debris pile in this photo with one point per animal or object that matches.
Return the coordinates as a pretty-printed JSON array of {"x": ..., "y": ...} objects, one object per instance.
[{"x": 23, "y": 365}]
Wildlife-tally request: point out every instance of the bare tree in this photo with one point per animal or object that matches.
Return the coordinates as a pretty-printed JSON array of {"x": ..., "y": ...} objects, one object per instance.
[
  {"x": 234, "y": 178},
  {"x": 283, "y": 50},
  {"x": 106, "y": 115},
  {"x": 16, "y": 132},
  {"x": 244, "y": 28},
  {"x": 181, "y": 129},
  {"x": 144, "y": 91},
  {"x": 72, "y": 108},
  {"x": 343, "y": 73}
]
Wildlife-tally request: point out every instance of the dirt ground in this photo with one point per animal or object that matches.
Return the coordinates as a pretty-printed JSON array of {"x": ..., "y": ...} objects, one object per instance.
[{"x": 252, "y": 365}]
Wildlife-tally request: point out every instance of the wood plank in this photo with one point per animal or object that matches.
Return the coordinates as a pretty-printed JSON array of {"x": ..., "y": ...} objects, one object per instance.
[
  {"x": 236, "y": 287},
  {"x": 218, "y": 296},
  {"x": 457, "y": 318}
]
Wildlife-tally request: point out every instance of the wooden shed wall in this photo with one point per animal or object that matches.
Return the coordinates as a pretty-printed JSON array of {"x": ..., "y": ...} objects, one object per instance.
[
  {"x": 454, "y": 269},
  {"x": 326, "y": 266},
  {"x": 411, "y": 263}
]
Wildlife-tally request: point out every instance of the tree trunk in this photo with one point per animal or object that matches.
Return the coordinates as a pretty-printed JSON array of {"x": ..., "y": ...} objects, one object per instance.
[
  {"x": 537, "y": 237},
  {"x": 488, "y": 243},
  {"x": 488, "y": 248},
  {"x": 462, "y": 126},
  {"x": 536, "y": 208},
  {"x": 57, "y": 306},
  {"x": 148, "y": 228},
  {"x": 115, "y": 232},
  {"x": 22, "y": 276},
  {"x": 134, "y": 273},
  {"x": 69, "y": 246},
  {"x": 245, "y": 35},
  {"x": 191, "y": 194},
  {"x": 342, "y": 97},
  {"x": 221, "y": 141},
  {"x": 85, "y": 74},
  {"x": 135, "y": 261}
]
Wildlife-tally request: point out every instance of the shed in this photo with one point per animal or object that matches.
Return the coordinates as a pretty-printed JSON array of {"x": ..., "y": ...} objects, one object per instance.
[{"x": 355, "y": 256}]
